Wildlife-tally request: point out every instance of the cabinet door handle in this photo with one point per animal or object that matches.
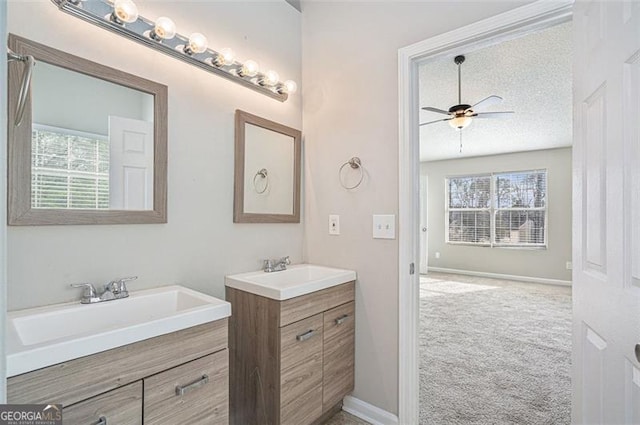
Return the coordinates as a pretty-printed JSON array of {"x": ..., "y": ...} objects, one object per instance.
[
  {"x": 102, "y": 420},
  {"x": 305, "y": 336},
  {"x": 340, "y": 320},
  {"x": 183, "y": 389}
]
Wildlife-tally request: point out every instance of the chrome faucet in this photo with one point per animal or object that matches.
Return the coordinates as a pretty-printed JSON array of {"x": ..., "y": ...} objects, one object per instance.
[
  {"x": 269, "y": 266},
  {"x": 114, "y": 290}
]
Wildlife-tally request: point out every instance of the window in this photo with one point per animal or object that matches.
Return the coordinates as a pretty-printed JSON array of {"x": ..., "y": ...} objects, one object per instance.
[
  {"x": 69, "y": 169},
  {"x": 470, "y": 209},
  {"x": 499, "y": 209}
]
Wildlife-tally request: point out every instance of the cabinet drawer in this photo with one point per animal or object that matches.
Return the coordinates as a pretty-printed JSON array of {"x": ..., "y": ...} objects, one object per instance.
[
  {"x": 338, "y": 354},
  {"x": 122, "y": 406},
  {"x": 203, "y": 399},
  {"x": 304, "y": 306},
  {"x": 301, "y": 371}
]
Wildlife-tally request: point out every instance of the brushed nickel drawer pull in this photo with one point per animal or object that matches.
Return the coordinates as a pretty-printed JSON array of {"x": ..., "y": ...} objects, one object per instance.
[
  {"x": 102, "y": 421},
  {"x": 305, "y": 336},
  {"x": 340, "y": 320},
  {"x": 183, "y": 389}
]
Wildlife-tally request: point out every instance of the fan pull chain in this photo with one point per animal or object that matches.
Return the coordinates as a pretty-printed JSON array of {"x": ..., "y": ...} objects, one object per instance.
[{"x": 460, "y": 141}]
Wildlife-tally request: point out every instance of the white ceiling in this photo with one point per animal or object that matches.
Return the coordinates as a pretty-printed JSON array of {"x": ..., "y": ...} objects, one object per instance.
[{"x": 531, "y": 73}]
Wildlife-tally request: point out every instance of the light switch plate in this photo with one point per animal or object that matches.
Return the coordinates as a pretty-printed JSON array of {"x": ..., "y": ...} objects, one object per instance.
[
  {"x": 384, "y": 226},
  {"x": 334, "y": 224}
]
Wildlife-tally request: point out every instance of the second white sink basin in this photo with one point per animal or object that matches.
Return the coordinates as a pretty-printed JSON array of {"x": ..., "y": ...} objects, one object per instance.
[
  {"x": 48, "y": 335},
  {"x": 296, "y": 281}
]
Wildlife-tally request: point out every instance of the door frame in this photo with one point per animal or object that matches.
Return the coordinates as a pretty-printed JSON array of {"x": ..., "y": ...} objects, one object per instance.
[
  {"x": 517, "y": 22},
  {"x": 423, "y": 259}
]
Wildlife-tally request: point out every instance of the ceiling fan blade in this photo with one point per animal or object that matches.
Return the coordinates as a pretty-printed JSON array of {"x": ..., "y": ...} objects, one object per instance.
[
  {"x": 439, "y": 111},
  {"x": 486, "y": 102},
  {"x": 433, "y": 122},
  {"x": 505, "y": 114}
]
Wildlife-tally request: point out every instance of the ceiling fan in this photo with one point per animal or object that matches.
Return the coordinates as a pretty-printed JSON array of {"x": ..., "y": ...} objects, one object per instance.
[{"x": 462, "y": 114}]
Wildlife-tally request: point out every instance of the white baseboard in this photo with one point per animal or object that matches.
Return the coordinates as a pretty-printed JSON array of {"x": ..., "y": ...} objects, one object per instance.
[
  {"x": 542, "y": 280},
  {"x": 368, "y": 412}
]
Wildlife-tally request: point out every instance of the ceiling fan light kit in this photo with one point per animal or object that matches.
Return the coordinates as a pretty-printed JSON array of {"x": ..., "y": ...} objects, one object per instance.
[{"x": 462, "y": 114}]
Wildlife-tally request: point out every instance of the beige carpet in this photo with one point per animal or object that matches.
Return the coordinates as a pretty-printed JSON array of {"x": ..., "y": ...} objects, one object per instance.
[{"x": 494, "y": 352}]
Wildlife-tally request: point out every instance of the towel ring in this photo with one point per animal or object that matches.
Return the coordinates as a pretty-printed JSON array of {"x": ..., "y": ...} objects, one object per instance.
[
  {"x": 355, "y": 164},
  {"x": 265, "y": 175}
]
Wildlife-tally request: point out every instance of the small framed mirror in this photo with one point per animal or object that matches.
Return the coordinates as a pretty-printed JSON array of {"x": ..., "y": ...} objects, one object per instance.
[
  {"x": 267, "y": 171},
  {"x": 91, "y": 147}
]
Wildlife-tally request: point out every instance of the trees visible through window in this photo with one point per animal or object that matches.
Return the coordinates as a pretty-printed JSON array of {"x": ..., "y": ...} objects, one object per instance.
[
  {"x": 499, "y": 209},
  {"x": 69, "y": 169}
]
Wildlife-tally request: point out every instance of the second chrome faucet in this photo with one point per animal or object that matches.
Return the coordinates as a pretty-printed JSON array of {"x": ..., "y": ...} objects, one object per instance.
[
  {"x": 114, "y": 290},
  {"x": 276, "y": 265}
]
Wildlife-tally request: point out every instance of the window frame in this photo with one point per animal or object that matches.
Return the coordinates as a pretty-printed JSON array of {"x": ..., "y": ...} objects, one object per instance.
[{"x": 493, "y": 210}]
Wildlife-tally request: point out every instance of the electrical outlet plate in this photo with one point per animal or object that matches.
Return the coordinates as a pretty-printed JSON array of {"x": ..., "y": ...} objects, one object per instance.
[
  {"x": 334, "y": 224},
  {"x": 384, "y": 226}
]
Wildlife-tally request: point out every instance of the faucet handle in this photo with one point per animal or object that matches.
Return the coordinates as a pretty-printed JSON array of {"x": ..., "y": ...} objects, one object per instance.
[
  {"x": 119, "y": 286},
  {"x": 269, "y": 265},
  {"x": 89, "y": 292},
  {"x": 285, "y": 260}
]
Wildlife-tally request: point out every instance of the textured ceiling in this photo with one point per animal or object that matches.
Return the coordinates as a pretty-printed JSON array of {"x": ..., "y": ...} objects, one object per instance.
[{"x": 531, "y": 73}]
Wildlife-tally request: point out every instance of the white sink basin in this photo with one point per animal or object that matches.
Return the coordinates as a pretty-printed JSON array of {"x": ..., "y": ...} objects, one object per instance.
[
  {"x": 297, "y": 280},
  {"x": 48, "y": 335}
]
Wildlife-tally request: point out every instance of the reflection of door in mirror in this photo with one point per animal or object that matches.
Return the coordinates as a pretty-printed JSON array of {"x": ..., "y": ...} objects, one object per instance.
[
  {"x": 268, "y": 192},
  {"x": 92, "y": 142},
  {"x": 130, "y": 164}
]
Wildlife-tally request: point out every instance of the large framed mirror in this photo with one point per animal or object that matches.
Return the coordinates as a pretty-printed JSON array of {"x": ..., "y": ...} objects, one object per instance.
[
  {"x": 267, "y": 171},
  {"x": 92, "y": 144}
]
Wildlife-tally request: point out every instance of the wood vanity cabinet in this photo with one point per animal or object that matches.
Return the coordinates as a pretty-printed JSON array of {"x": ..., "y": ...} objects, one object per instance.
[
  {"x": 181, "y": 378},
  {"x": 291, "y": 361}
]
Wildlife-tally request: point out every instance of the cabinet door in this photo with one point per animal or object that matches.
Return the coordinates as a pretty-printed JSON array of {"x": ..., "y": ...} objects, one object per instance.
[
  {"x": 122, "y": 406},
  {"x": 196, "y": 393},
  {"x": 339, "y": 354},
  {"x": 301, "y": 371}
]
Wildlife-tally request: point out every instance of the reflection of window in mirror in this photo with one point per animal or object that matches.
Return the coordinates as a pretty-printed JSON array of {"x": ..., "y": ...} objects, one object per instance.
[{"x": 69, "y": 169}]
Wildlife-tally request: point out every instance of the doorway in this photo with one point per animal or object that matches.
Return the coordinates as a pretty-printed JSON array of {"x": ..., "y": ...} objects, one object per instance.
[
  {"x": 491, "y": 31},
  {"x": 492, "y": 347}
]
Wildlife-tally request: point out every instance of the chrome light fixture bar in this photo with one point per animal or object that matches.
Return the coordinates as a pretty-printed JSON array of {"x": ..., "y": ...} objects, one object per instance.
[{"x": 121, "y": 17}]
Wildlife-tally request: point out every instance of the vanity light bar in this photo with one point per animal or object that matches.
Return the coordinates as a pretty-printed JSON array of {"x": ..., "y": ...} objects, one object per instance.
[{"x": 121, "y": 17}]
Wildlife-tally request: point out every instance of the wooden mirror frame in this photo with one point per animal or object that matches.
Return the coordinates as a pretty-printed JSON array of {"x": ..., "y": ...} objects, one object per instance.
[
  {"x": 20, "y": 212},
  {"x": 239, "y": 216}
]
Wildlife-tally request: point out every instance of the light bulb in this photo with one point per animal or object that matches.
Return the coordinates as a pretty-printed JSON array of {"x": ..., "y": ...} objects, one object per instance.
[
  {"x": 270, "y": 78},
  {"x": 164, "y": 29},
  {"x": 124, "y": 11},
  {"x": 197, "y": 44},
  {"x": 460, "y": 122},
  {"x": 249, "y": 69},
  {"x": 291, "y": 86},
  {"x": 226, "y": 57}
]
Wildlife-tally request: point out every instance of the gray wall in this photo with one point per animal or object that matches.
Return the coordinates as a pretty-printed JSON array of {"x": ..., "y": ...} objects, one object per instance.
[
  {"x": 549, "y": 263},
  {"x": 350, "y": 65},
  {"x": 200, "y": 243}
]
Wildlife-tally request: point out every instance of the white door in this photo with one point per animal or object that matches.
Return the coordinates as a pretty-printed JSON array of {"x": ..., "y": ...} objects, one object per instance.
[
  {"x": 606, "y": 212},
  {"x": 424, "y": 235},
  {"x": 130, "y": 164}
]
